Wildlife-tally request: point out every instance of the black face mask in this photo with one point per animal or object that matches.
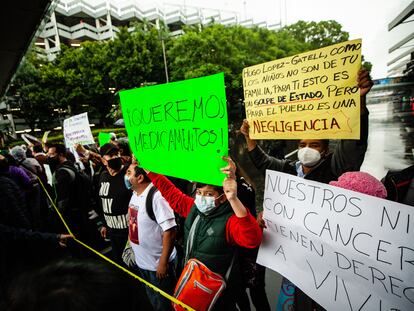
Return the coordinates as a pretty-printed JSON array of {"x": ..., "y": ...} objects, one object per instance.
[
  {"x": 53, "y": 162},
  {"x": 115, "y": 163}
]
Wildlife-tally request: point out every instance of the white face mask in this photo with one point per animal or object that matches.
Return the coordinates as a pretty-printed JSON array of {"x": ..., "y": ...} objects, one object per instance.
[
  {"x": 308, "y": 156},
  {"x": 205, "y": 204},
  {"x": 127, "y": 182}
]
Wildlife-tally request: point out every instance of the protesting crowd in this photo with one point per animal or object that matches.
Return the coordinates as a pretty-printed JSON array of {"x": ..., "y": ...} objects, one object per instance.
[{"x": 195, "y": 241}]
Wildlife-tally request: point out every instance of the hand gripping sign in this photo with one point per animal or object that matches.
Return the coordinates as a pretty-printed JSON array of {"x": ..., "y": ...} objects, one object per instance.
[{"x": 76, "y": 130}]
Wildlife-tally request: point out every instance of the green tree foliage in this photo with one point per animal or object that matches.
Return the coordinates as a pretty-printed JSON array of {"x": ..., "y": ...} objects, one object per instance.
[
  {"x": 87, "y": 78},
  {"x": 315, "y": 35},
  {"x": 136, "y": 58},
  {"x": 216, "y": 48},
  {"x": 63, "y": 80},
  {"x": 366, "y": 65},
  {"x": 29, "y": 94}
]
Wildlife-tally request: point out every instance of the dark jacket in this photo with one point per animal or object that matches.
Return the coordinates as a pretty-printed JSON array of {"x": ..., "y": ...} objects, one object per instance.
[
  {"x": 73, "y": 199},
  {"x": 209, "y": 244},
  {"x": 64, "y": 184},
  {"x": 16, "y": 237},
  {"x": 13, "y": 210}
]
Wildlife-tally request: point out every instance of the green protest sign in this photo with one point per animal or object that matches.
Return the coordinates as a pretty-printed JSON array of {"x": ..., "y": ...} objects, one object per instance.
[
  {"x": 179, "y": 129},
  {"x": 103, "y": 138}
]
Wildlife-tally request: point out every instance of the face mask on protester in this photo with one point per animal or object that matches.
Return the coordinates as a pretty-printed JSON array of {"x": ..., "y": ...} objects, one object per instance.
[
  {"x": 205, "y": 204},
  {"x": 53, "y": 162},
  {"x": 127, "y": 182},
  {"x": 308, "y": 156},
  {"x": 115, "y": 163}
]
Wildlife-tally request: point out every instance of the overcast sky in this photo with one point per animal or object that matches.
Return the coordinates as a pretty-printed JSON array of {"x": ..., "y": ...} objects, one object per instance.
[{"x": 366, "y": 19}]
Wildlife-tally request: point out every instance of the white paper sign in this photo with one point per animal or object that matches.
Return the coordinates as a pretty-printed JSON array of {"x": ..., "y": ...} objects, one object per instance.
[
  {"x": 49, "y": 174},
  {"x": 76, "y": 130},
  {"x": 346, "y": 250}
]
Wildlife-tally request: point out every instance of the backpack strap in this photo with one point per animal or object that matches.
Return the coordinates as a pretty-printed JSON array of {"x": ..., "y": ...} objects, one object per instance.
[
  {"x": 190, "y": 239},
  {"x": 71, "y": 172},
  {"x": 227, "y": 275},
  {"x": 149, "y": 203}
]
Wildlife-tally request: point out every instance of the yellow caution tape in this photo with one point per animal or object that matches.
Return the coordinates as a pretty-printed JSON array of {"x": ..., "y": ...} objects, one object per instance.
[
  {"x": 54, "y": 206},
  {"x": 154, "y": 288}
]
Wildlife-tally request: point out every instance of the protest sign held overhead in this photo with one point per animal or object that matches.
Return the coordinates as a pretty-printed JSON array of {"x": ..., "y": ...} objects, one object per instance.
[
  {"x": 179, "y": 129},
  {"x": 344, "y": 249},
  {"x": 103, "y": 138},
  {"x": 76, "y": 130},
  {"x": 45, "y": 136},
  {"x": 313, "y": 95},
  {"x": 30, "y": 140}
]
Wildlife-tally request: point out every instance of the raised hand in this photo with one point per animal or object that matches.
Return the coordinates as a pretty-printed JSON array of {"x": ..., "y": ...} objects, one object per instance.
[
  {"x": 364, "y": 82},
  {"x": 230, "y": 169},
  {"x": 230, "y": 188},
  {"x": 244, "y": 129}
]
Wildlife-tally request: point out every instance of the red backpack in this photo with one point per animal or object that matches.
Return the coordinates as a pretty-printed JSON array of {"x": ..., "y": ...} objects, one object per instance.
[{"x": 198, "y": 286}]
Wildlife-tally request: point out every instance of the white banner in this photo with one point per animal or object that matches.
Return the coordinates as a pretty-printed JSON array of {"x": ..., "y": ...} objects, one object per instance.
[
  {"x": 346, "y": 250},
  {"x": 76, "y": 130}
]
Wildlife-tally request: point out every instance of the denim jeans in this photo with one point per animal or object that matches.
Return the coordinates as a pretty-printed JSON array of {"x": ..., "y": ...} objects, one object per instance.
[{"x": 158, "y": 302}]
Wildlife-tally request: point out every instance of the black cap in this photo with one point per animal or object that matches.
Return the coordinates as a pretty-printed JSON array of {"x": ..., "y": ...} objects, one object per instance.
[{"x": 108, "y": 148}]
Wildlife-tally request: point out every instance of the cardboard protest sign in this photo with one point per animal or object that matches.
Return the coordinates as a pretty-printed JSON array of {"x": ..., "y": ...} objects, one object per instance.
[
  {"x": 313, "y": 95},
  {"x": 76, "y": 130},
  {"x": 103, "y": 138},
  {"x": 179, "y": 129},
  {"x": 346, "y": 250},
  {"x": 30, "y": 139},
  {"x": 49, "y": 174},
  {"x": 45, "y": 136}
]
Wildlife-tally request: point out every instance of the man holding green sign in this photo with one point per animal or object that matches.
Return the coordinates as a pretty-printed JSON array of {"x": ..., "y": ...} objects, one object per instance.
[{"x": 174, "y": 125}]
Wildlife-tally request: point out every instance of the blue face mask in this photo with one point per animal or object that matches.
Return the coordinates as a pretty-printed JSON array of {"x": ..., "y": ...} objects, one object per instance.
[
  {"x": 128, "y": 184},
  {"x": 205, "y": 204}
]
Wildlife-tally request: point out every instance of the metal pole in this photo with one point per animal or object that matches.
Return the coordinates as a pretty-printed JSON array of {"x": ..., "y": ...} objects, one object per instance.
[
  {"x": 165, "y": 60},
  {"x": 163, "y": 51}
]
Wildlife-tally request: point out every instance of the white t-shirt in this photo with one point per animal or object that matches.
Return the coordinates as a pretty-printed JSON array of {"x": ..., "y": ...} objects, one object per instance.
[{"x": 145, "y": 235}]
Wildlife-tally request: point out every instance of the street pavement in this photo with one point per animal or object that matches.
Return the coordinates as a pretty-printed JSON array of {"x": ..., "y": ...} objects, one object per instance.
[{"x": 389, "y": 143}]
